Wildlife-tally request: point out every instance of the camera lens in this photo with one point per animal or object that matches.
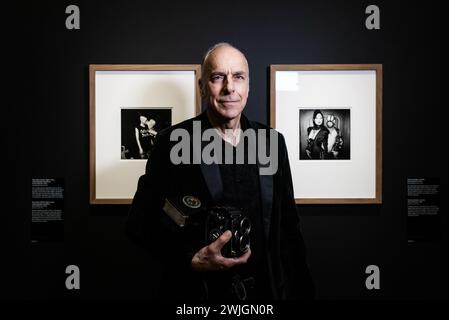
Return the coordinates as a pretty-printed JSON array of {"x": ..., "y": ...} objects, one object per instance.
[
  {"x": 245, "y": 226},
  {"x": 244, "y": 243}
]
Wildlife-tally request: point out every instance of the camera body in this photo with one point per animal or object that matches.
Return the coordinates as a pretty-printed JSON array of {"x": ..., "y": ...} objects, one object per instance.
[{"x": 220, "y": 219}]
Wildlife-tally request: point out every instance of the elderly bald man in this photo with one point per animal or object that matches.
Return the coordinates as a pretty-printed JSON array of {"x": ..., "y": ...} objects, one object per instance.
[{"x": 273, "y": 265}]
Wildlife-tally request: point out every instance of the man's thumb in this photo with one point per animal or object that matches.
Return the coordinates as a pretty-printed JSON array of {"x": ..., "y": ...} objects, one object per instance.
[{"x": 222, "y": 240}]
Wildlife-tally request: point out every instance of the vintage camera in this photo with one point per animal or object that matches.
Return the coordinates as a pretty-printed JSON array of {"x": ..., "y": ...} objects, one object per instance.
[
  {"x": 189, "y": 213},
  {"x": 220, "y": 219}
]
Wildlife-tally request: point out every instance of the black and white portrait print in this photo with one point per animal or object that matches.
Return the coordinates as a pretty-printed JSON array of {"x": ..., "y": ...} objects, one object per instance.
[
  {"x": 139, "y": 130},
  {"x": 324, "y": 134}
]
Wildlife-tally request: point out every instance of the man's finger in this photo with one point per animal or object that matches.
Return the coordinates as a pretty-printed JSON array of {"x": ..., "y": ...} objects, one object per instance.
[
  {"x": 221, "y": 241},
  {"x": 244, "y": 258},
  {"x": 230, "y": 262}
]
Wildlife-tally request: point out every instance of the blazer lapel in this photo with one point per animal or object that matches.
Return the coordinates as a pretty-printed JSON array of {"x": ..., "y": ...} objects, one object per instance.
[
  {"x": 211, "y": 172},
  {"x": 266, "y": 185},
  {"x": 266, "y": 195}
]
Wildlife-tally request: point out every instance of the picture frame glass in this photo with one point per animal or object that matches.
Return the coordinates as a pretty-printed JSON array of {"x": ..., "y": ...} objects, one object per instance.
[
  {"x": 329, "y": 121},
  {"x": 128, "y": 108}
]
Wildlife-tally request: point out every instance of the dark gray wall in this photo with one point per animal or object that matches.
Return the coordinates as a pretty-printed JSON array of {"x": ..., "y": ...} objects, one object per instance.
[{"x": 48, "y": 78}]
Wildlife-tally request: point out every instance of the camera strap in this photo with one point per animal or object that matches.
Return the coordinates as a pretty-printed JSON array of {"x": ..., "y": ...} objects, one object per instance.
[{"x": 240, "y": 286}]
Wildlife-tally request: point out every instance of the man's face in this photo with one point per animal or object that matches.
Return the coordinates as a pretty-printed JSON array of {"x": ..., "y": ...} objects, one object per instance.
[{"x": 226, "y": 83}]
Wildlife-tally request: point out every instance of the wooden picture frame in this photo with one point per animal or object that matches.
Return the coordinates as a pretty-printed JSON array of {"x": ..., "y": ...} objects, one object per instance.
[
  {"x": 330, "y": 165},
  {"x": 128, "y": 105}
]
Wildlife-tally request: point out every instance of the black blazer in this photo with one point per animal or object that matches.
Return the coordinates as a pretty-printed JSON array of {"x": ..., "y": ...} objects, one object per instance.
[{"x": 174, "y": 246}]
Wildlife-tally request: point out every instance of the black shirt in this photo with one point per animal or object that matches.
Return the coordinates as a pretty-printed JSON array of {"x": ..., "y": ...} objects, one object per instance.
[{"x": 241, "y": 190}]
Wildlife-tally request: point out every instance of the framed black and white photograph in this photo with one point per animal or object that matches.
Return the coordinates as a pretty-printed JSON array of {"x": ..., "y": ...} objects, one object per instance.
[
  {"x": 139, "y": 128},
  {"x": 331, "y": 118},
  {"x": 129, "y": 106},
  {"x": 324, "y": 134}
]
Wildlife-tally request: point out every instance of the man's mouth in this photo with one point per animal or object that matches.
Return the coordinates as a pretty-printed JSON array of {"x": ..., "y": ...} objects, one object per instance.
[{"x": 228, "y": 101}]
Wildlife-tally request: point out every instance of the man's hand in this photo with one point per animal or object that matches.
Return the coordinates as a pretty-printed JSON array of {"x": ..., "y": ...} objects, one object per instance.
[{"x": 209, "y": 258}]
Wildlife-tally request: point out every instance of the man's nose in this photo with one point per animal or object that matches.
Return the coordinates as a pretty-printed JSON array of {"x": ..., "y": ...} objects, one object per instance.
[{"x": 229, "y": 85}]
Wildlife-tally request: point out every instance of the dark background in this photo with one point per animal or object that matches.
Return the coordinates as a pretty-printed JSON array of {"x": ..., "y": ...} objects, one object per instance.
[{"x": 46, "y": 118}]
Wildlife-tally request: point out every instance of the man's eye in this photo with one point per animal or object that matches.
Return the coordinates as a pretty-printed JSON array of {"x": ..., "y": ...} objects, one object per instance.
[
  {"x": 239, "y": 77},
  {"x": 217, "y": 78}
]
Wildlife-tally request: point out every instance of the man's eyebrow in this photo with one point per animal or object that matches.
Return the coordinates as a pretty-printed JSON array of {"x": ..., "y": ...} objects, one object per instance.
[{"x": 221, "y": 73}]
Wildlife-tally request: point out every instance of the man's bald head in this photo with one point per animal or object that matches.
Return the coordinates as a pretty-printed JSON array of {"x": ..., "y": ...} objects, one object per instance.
[
  {"x": 224, "y": 81},
  {"x": 210, "y": 55}
]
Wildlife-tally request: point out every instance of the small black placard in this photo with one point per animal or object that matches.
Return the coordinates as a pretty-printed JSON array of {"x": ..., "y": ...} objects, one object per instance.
[
  {"x": 423, "y": 209},
  {"x": 47, "y": 206}
]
